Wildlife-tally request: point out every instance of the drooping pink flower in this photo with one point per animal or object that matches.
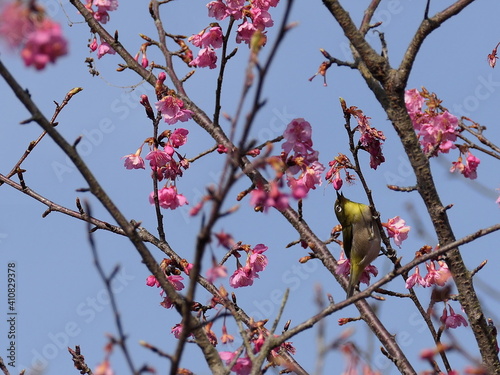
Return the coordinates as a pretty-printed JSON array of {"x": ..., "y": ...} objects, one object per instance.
[
  {"x": 172, "y": 109},
  {"x": 134, "y": 161},
  {"x": 215, "y": 272},
  {"x": 438, "y": 130},
  {"x": 177, "y": 330},
  {"x": 453, "y": 320},
  {"x": 167, "y": 303},
  {"x": 151, "y": 281},
  {"x": 245, "y": 32},
  {"x": 206, "y": 57},
  {"x": 243, "y": 276},
  {"x": 104, "y": 49},
  {"x": 434, "y": 277},
  {"x": 469, "y": 169},
  {"x": 415, "y": 279},
  {"x": 208, "y": 38},
  {"x": 225, "y": 239},
  {"x": 103, "y": 7},
  {"x": 365, "y": 275},
  {"x": 261, "y": 18},
  {"x": 44, "y": 44},
  {"x": 308, "y": 179},
  {"x": 257, "y": 260},
  {"x": 217, "y": 10},
  {"x": 158, "y": 158},
  {"x": 298, "y": 137},
  {"x": 168, "y": 198},
  {"x": 176, "y": 281},
  {"x": 444, "y": 271},
  {"x": 414, "y": 101},
  {"x": 371, "y": 139},
  {"x": 265, "y": 4},
  {"x": 178, "y": 137},
  {"x": 272, "y": 198},
  {"x": 243, "y": 365},
  {"x": 15, "y": 23},
  {"x": 104, "y": 368},
  {"x": 343, "y": 265},
  {"x": 397, "y": 229}
]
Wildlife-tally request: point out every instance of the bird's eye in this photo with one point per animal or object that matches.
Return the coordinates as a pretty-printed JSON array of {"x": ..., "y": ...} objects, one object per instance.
[{"x": 338, "y": 208}]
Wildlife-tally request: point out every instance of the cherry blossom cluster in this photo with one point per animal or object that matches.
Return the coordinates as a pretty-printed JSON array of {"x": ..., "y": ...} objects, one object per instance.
[
  {"x": 438, "y": 129},
  {"x": 102, "y": 9},
  {"x": 298, "y": 164},
  {"x": 172, "y": 272},
  {"x": 254, "y": 15},
  {"x": 370, "y": 140},
  {"x": 101, "y": 14},
  {"x": 26, "y": 26},
  {"x": 256, "y": 262},
  {"x": 397, "y": 229},
  {"x": 165, "y": 161},
  {"x": 337, "y": 165},
  {"x": 434, "y": 276},
  {"x": 243, "y": 363}
]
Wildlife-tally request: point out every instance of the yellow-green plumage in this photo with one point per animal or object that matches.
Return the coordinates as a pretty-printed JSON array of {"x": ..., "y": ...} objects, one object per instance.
[{"x": 360, "y": 236}]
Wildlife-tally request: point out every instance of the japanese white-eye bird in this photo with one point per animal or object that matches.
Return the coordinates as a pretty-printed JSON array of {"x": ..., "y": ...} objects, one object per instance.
[{"x": 360, "y": 236}]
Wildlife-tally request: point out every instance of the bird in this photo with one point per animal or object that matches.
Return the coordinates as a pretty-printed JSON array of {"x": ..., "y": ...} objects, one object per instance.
[{"x": 360, "y": 237}]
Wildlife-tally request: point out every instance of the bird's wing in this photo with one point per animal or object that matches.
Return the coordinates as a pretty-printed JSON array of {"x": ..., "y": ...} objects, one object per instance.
[{"x": 347, "y": 239}]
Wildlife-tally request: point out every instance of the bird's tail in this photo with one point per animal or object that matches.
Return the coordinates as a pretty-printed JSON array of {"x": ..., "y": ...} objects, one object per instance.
[{"x": 354, "y": 277}]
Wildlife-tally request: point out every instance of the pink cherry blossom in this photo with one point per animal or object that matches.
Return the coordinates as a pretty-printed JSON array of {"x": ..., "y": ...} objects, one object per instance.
[
  {"x": 168, "y": 198},
  {"x": 104, "y": 49},
  {"x": 217, "y": 9},
  {"x": 414, "y": 101},
  {"x": 216, "y": 272},
  {"x": 257, "y": 260},
  {"x": 15, "y": 23},
  {"x": 343, "y": 265},
  {"x": 245, "y": 32},
  {"x": 172, "y": 109},
  {"x": 261, "y": 18},
  {"x": 176, "y": 281},
  {"x": 365, "y": 275},
  {"x": 178, "y": 137},
  {"x": 415, "y": 279},
  {"x": 397, "y": 229},
  {"x": 243, "y": 276},
  {"x": 469, "y": 169},
  {"x": 134, "y": 161},
  {"x": 158, "y": 158},
  {"x": 434, "y": 277},
  {"x": 370, "y": 139},
  {"x": 44, "y": 44},
  {"x": 208, "y": 38},
  {"x": 453, "y": 320},
  {"x": 243, "y": 365},
  {"x": 206, "y": 57},
  {"x": 272, "y": 198},
  {"x": 151, "y": 281},
  {"x": 298, "y": 137}
]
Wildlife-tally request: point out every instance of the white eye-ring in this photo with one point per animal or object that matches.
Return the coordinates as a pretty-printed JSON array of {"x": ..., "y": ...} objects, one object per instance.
[{"x": 338, "y": 208}]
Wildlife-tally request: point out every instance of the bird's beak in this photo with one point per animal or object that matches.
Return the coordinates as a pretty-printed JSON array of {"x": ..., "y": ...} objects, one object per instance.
[{"x": 339, "y": 195}]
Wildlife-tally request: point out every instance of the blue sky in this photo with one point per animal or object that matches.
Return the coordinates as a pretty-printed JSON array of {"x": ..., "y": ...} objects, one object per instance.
[{"x": 60, "y": 298}]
